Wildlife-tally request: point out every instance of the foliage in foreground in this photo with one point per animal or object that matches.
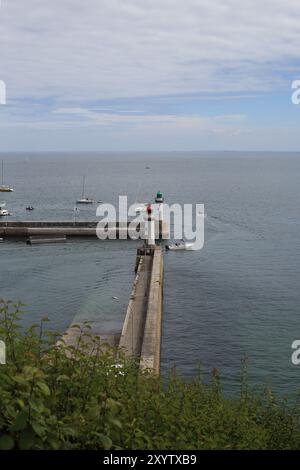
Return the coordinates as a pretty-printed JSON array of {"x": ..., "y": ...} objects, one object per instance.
[{"x": 51, "y": 401}]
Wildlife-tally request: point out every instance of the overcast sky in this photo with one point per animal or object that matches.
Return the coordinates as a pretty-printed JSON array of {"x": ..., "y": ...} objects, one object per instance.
[{"x": 149, "y": 74}]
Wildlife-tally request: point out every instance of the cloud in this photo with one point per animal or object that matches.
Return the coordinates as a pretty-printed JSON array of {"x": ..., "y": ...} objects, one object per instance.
[
  {"x": 150, "y": 69},
  {"x": 82, "y": 117},
  {"x": 98, "y": 49},
  {"x": 159, "y": 123}
]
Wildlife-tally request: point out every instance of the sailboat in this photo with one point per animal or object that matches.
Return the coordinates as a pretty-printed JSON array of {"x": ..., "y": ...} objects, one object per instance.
[
  {"x": 3, "y": 187},
  {"x": 84, "y": 200}
]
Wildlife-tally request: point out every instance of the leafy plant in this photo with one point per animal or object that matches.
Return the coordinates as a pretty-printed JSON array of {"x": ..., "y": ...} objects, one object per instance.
[{"x": 54, "y": 396}]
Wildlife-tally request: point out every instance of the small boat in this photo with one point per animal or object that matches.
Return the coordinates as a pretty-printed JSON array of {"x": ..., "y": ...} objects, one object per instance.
[
  {"x": 85, "y": 200},
  {"x": 177, "y": 246},
  {"x": 4, "y": 188},
  {"x": 3, "y": 212},
  {"x": 29, "y": 208},
  {"x": 139, "y": 208}
]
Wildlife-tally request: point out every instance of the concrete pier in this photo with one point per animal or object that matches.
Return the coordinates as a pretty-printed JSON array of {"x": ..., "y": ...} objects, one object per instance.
[
  {"x": 141, "y": 333},
  {"x": 151, "y": 347},
  {"x": 26, "y": 229},
  {"x": 131, "y": 339}
]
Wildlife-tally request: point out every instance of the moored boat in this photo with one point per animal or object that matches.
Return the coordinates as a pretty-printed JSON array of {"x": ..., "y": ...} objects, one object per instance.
[
  {"x": 178, "y": 246},
  {"x": 3, "y": 212},
  {"x": 3, "y": 187},
  {"x": 85, "y": 200}
]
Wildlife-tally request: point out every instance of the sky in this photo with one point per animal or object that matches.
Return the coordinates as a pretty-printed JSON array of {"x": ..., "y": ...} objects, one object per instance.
[{"x": 101, "y": 75}]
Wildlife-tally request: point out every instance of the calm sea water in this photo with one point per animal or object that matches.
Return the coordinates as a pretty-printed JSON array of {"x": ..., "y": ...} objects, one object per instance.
[{"x": 238, "y": 296}]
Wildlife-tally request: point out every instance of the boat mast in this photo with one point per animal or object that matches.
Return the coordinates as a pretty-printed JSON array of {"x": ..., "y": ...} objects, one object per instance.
[
  {"x": 2, "y": 174},
  {"x": 83, "y": 186}
]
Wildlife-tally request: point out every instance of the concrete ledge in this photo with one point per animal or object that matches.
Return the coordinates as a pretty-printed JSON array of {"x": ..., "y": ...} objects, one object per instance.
[
  {"x": 133, "y": 327},
  {"x": 120, "y": 229},
  {"x": 88, "y": 341},
  {"x": 151, "y": 347}
]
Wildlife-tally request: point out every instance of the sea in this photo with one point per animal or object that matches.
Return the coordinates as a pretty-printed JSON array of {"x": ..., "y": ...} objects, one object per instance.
[{"x": 237, "y": 300}]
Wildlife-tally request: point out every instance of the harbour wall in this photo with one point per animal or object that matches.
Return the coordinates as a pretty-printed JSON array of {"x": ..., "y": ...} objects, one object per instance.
[
  {"x": 141, "y": 333},
  {"x": 77, "y": 229}
]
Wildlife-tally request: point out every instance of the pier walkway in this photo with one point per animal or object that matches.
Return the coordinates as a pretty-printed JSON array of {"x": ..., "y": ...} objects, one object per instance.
[{"x": 141, "y": 333}]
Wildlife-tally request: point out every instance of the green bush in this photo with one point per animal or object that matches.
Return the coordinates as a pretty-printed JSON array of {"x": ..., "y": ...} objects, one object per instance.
[{"x": 76, "y": 398}]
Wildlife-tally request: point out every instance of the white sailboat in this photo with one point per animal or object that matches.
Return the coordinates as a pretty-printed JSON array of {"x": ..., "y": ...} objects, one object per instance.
[
  {"x": 3, "y": 187},
  {"x": 84, "y": 200}
]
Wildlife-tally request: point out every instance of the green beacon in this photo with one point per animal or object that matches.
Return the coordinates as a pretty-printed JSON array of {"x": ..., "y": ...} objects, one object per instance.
[{"x": 159, "y": 197}]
